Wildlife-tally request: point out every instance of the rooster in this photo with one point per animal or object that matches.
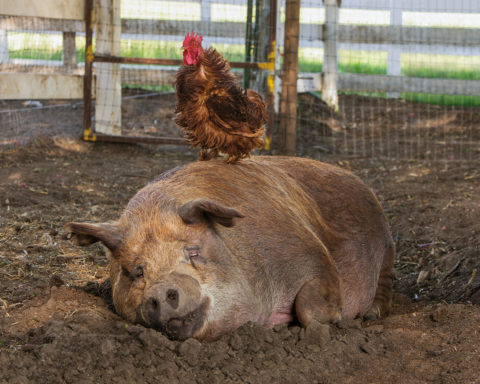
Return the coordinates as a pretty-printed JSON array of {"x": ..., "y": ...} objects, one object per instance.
[{"x": 213, "y": 111}]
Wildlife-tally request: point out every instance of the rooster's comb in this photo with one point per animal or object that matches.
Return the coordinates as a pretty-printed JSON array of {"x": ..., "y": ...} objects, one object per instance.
[{"x": 189, "y": 39}]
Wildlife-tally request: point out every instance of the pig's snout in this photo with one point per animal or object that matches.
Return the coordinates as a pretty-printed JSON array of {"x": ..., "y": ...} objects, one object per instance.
[
  {"x": 175, "y": 307},
  {"x": 161, "y": 304}
]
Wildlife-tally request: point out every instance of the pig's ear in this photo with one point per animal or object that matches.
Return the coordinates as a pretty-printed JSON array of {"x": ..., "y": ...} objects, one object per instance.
[
  {"x": 89, "y": 233},
  {"x": 202, "y": 210}
]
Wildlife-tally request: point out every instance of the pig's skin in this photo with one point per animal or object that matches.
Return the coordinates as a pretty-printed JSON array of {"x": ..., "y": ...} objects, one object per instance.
[{"x": 210, "y": 246}]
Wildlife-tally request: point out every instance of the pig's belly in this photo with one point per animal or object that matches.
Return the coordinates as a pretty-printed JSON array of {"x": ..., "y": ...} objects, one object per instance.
[{"x": 279, "y": 318}]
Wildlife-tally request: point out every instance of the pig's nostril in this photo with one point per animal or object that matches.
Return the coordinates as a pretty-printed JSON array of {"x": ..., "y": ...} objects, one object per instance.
[
  {"x": 153, "y": 303},
  {"x": 153, "y": 306},
  {"x": 172, "y": 298}
]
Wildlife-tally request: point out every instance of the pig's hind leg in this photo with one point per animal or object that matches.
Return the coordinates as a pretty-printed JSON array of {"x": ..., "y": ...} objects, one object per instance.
[
  {"x": 320, "y": 300},
  {"x": 382, "y": 302}
]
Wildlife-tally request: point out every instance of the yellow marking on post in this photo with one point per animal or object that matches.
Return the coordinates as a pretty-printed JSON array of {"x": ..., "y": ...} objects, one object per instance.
[
  {"x": 271, "y": 55},
  {"x": 270, "y": 64},
  {"x": 88, "y": 135},
  {"x": 267, "y": 66},
  {"x": 89, "y": 53},
  {"x": 267, "y": 143},
  {"x": 271, "y": 83}
]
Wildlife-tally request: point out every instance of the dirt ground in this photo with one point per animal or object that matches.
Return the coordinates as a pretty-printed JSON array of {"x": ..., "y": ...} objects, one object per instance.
[{"x": 56, "y": 320}]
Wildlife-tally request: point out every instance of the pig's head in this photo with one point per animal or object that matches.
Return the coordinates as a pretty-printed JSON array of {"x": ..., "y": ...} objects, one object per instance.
[{"x": 168, "y": 264}]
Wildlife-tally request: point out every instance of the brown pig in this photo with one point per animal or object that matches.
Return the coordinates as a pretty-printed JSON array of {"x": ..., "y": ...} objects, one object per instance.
[{"x": 208, "y": 247}]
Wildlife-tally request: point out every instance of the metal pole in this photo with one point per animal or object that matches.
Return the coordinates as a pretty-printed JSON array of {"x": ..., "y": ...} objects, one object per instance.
[
  {"x": 248, "y": 43},
  {"x": 271, "y": 75}
]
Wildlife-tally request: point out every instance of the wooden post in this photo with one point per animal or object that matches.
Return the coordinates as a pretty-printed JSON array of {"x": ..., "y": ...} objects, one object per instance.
[
  {"x": 108, "y": 102},
  {"x": 3, "y": 46},
  {"x": 288, "y": 104},
  {"x": 330, "y": 59},
  {"x": 69, "y": 53},
  {"x": 88, "y": 75},
  {"x": 394, "y": 65},
  {"x": 206, "y": 10}
]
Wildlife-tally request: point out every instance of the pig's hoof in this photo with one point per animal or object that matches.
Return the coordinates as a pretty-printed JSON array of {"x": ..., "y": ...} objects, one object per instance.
[
  {"x": 316, "y": 333},
  {"x": 369, "y": 316},
  {"x": 376, "y": 312},
  {"x": 318, "y": 302}
]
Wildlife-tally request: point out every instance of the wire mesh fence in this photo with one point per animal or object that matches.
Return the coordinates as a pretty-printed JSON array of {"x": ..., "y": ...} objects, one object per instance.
[
  {"x": 407, "y": 80},
  {"x": 44, "y": 54},
  {"x": 150, "y": 45},
  {"x": 408, "y": 77}
]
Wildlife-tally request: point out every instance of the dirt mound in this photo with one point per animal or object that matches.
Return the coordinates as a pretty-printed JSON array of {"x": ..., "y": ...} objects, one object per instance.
[{"x": 77, "y": 340}]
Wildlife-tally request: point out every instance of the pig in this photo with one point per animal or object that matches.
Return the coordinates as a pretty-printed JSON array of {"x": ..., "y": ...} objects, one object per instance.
[{"x": 210, "y": 246}]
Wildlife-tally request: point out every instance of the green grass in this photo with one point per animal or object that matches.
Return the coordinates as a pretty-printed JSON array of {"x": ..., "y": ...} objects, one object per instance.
[
  {"x": 151, "y": 88},
  {"x": 457, "y": 100},
  {"x": 48, "y": 47}
]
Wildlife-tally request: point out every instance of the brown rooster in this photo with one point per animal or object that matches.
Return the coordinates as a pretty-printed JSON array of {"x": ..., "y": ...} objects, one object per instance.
[{"x": 214, "y": 113}]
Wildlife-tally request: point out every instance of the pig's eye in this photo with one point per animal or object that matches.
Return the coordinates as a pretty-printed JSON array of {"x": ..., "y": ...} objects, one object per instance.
[
  {"x": 137, "y": 272},
  {"x": 193, "y": 254}
]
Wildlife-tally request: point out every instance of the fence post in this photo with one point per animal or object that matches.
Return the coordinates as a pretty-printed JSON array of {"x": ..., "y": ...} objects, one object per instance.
[
  {"x": 3, "y": 46},
  {"x": 279, "y": 34},
  {"x": 330, "y": 59},
  {"x": 108, "y": 101},
  {"x": 394, "y": 65},
  {"x": 69, "y": 53},
  {"x": 288, "y": 104},
  {"x": 206, "y": 9}
]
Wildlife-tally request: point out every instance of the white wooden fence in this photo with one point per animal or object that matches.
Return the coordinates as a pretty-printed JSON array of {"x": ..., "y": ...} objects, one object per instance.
[
  {"x": 397, "y": 39},
  {"x": 67, "y": 17}
]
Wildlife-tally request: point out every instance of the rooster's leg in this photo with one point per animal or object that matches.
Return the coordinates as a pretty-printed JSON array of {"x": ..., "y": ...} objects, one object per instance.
[
  {"x": 207, "y": 154},
  {"x": 232, "y": 159}
]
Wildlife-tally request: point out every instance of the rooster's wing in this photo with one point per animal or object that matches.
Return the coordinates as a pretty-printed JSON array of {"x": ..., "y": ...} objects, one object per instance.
[{"x": 233, "y": 111}]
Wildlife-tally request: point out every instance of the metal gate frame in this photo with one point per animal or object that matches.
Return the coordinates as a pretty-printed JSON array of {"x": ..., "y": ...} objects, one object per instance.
[{"x": 89, "y": 133}]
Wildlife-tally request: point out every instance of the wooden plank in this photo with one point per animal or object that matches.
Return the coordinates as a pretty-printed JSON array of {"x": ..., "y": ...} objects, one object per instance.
[
  {"x": 17, "y": 23},
  {"x": 379, "y": 34},
  {"x": 354, "y": 34},
  {"x": 45, "y": 67},
  {"x": 380, "y": 83},
  {"x": 409, "y": 35},
  {"x": 108, "y": 103},
  {"x": 309, "y": 82},
  {"x": 464, "y": 6},
  {"x": 56, "y": 9},
  {"x": 469, "y": 6},
  {"x": 69, "y": 53},
  {"x": 39, "y": 86},
  {"x": 179, "y": 27}
]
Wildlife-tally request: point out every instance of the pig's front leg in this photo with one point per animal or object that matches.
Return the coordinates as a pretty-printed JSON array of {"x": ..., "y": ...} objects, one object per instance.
[{"x": 319, "y": 300}]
